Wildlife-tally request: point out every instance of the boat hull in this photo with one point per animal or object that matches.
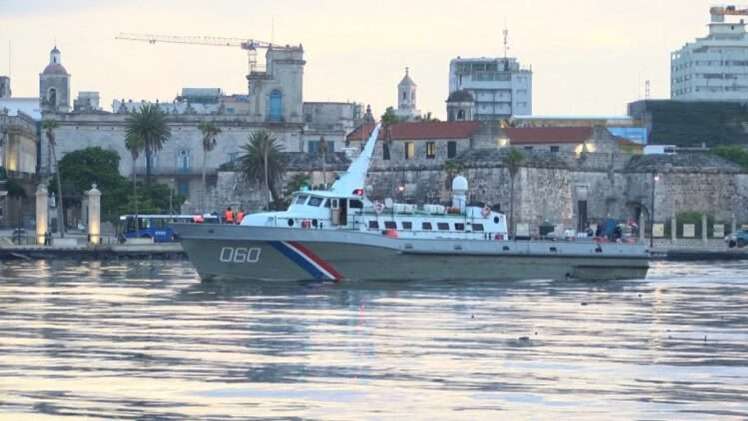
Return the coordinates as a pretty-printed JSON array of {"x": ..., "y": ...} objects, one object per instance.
[{"x": 224, "y": 252}]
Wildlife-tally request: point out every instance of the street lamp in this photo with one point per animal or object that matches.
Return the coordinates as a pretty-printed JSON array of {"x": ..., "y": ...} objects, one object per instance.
[{"x": 655, "y": 178}]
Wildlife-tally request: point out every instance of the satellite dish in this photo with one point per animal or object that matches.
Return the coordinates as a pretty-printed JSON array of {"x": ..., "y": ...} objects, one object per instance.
[{"x": 388, "y": 203}]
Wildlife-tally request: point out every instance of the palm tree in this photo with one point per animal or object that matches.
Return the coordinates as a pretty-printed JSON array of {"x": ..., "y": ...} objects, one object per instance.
[
  {"x": 135, "y": 146},
  {"x": 148, "y": 124},
  {"x": 49, "y": 127},
  {"x": 452, "y": 168},
  {"x": 263, "y": 160},
  {"x": 512, "y": 160},
  {"x": 209, "y": 131},
  {"x": 323, "y": 151}
]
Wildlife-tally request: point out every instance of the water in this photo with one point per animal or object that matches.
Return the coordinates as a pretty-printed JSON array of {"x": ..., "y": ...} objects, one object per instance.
[{"x": 148, "y": 340}]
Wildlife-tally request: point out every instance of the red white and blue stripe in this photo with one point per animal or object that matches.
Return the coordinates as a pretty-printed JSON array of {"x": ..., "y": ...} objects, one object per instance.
[{"x": 307, "y": 260}]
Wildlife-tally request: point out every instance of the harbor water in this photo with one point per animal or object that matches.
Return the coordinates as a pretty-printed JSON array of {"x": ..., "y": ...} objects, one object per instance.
[{"x": 149, "y": 340}]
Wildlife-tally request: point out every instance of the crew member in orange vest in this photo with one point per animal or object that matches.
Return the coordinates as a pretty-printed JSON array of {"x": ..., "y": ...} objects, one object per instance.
[
  {"x": 228, "y": 216},
  {"x": 239, "y": 216}
]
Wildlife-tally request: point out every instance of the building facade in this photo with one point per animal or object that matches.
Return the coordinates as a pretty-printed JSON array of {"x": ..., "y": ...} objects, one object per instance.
[
  {"x": 500, "y": 87},
  {"x": 712, "y": 68}
]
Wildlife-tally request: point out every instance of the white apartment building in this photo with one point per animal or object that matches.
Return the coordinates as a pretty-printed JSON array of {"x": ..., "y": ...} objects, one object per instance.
[
  {"x": 712, "y": 68},
  {"x": 500, "y": 87}
]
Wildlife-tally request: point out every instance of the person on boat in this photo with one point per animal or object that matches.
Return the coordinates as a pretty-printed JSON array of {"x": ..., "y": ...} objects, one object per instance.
[
  {"x": 228, "y": 216},
  {"x": 239, "y": 216}
]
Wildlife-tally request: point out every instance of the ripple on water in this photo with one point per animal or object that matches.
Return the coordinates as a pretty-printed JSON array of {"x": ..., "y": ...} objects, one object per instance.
[{"x": 147, "y": 339}]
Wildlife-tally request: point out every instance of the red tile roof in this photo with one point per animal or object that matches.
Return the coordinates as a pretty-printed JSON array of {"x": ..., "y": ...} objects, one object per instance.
[
  {"x": 420, "y": 130},
  {"x": 543, "y": 135}
]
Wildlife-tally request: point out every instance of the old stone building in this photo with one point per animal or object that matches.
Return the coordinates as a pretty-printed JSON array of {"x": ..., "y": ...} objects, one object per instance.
[
  {"x": 274, "y": 102},
  {"x": 18, "y": 152},
  {"x": 407, "y": 110}
]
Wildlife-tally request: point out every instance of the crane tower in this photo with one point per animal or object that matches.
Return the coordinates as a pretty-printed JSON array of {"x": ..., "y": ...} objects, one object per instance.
[{"x": 718, "y": 13}]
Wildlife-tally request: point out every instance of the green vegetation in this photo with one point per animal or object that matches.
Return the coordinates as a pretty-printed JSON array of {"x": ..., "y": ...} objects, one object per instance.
[
  {"x": 263, "y": 162},
  {"x": 210, "y": 131},
  {"x": 452, "y": 168},
  {"x": 736, "y": 154},
  {"x": 96, "y": 165},
  {"x": 389, "y": 117},
  {"x": 147, "y": 128}
]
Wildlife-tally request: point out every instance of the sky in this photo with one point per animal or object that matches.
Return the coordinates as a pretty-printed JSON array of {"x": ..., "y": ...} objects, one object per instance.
[{"x": 589, "y": 57}]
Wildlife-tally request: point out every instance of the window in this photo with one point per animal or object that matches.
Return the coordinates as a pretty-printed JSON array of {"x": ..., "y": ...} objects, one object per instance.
[
  {"x": 430, "y": 150},
  {"x": 410, "y": 150},
  {"x": 390, "y": 225},
  {"x": 407, "y": 225},
  {"x": 554, "y": 149},
  {"x": 477, "y": 227},
  {"x": 183, "y": 161},
  {"x": 451, "y": 149},
  {"x": 355, "y": 204},
  {"x": 459, "y": 226},
  {"x": 314, "y": 201},
  {"x": 460, "y": 114},
  {"x": 443, "y": 226},
  {"x": 276, "y": 106},
  {"x": 373, "y": 225},
  {"x": 301, "y": 199},
  {"x": 528, "y": 148},
  {"x": 314, "y": 147},
  {"x": 426, "y": 226},
  {"x": 327, "y": 203},
  {"x": 183, "y": 188}
]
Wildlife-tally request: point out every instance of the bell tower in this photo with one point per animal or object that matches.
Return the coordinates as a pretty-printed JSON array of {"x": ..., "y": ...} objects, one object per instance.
[
  {"x": 54, "y": 85},
  {"x": 406, "y": 98}
]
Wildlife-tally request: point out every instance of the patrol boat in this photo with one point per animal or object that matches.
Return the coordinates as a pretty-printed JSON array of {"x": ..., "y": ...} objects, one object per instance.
[{"x": 339, "y": 234}]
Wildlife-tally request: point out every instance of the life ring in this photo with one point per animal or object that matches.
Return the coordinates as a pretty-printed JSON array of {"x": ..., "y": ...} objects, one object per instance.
[
  {"x": 485, "y": 212},
  {"x": 378, "y": 207},
  {"x": 306, "y": 224}
]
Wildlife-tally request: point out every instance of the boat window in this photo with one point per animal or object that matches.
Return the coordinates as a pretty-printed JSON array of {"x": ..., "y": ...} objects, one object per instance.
[
  {"x": 390, "y": 225},
  {"x": 327, "y": 203},
  {"x": 315, "y": 201},
  {"x": 374, "y": 225},
  {"x": 300, "y": 199},
  {"x": 443, "y": 226},
  {"x": 355, "y": 204},
  {"x": 477, "y": 227},
  {"x": 407, "y": 225},
  {"x": 426, "y": 226},
  {"x": 459, "y": 226}
]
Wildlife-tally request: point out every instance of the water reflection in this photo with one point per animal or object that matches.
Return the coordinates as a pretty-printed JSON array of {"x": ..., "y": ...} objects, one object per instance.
[{"x": 146, "y": 339}]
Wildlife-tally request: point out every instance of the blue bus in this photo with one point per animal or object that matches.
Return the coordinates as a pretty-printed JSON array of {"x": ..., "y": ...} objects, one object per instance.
[{"x": 157, "y": 227}]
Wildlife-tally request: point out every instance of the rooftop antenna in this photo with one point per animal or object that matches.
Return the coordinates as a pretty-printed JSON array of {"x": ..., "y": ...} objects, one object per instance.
[{"x": 506, "y": 47}]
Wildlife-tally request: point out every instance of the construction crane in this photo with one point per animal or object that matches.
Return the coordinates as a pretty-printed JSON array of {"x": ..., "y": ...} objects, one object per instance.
[
  {"x": 718, "y": 13},
  {"x": 250, "y": 45}
]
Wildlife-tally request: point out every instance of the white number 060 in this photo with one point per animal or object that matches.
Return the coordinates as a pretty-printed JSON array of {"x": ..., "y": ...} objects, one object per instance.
[{"x": 239, "y": 255}]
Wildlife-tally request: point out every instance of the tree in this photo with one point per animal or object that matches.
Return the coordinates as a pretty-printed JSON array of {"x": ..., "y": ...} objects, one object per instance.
[
  {"x": 96, "y": 165},
  {"x": 135, "y": 145},
  {"x": 323, "y": 151},
  {"x": 452, "y": 168},
  {"x": 389, "y": 117},
  {"x": 148, "y": 124},
  {"x": 298, "y": 181},
  {"x": 263, "y": 162},
  {"x": 512, "y": 160},
  {"x": 209, "y": 131},
  {"x": 49, "y": 127}
]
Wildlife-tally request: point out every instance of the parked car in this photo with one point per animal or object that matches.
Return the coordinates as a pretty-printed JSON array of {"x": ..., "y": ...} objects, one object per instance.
[{"x": 737, "y": 239}]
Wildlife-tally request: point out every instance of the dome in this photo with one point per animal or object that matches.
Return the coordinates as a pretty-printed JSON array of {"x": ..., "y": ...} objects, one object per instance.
[
  {"x": 55, "y": 69},
  {"x": 460, "y": 96},
  {"x": 460, "y": 183},
  {"x": 407, "y": 81},
  {"x": 55, "y": 51}
]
